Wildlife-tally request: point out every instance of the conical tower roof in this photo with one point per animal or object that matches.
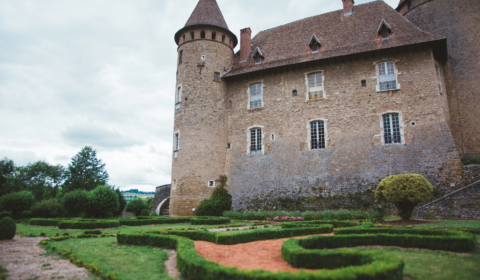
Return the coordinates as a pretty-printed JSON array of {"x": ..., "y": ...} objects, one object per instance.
[{"x": 207, "y": 12}]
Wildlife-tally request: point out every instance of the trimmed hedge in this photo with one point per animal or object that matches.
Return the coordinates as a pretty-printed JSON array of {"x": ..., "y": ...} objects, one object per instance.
[
  {"x": 44, "y": 222},
  {"x": 361, "y": 264},
  {"x": 373, "y": 216},
  {"x": 462, "y": 242},
  {"x": 209, "y": 221},
  {"x": 96, "y": 231},
  {"x": 195, "y": 267},
  {"x": 335, "y": 223},
  {"x": 6, "y": 214},
  {"x": 142, "y": 222},
  {"x": 58, "y": 238},
  {"x": 414, "y": 231},
  {"x": 87, "y": 236},
  {"x": 87, "y": 225},
  {"x": 237, "y": 237}
]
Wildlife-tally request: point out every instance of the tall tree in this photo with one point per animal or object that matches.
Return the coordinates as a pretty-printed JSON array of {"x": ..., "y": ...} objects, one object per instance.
[
  {"x": 86, "y": 172},
  {"x": 41, "y": 178},
  {"x": 7, "y": 170}
]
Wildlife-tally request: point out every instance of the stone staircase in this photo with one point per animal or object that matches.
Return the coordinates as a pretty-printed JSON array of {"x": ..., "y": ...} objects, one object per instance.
[{"x": 165, "y": 212}]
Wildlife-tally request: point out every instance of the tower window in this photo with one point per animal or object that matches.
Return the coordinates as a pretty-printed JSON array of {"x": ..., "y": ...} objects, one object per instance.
[
  {"x": 214, "y": 36},
  {"x": 223, "y": 38},
  {"x": 192, "y": 35},
  {"x": 409, "y": 5},
  {"x": 315, "y": 86},
  {"x": 439, "y": 77},
  {"x": 183, "y": 37},
  {"x": 256, "y": 96},
  {"x": 202, "y": 34},
  {"x": 255, "y": 141},
  {"x": 177, "y": 142},
  {"x": 295, "y": 93},
  {"x": 216, "y": 76},
  {"x": 180, "y": 57},
  {"x": 272, "y": 137},
  {"x": 364, "y": 83},
  {"x": 230, "y": 104},
  {"x": 229, "y": 146},
  {"x": 391, "y": 129},
  {"x": 387, "y": 80},
  {"x": 317, "y": 135}
]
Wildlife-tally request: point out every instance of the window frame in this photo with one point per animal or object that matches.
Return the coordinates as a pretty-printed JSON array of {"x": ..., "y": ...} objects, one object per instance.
[
  {"x": 307, "y": 84},
  {"x": 192, "y": 35},
  {"x": 262, "y": 140},
  {"x": 178, "y": 98},
  {"x": 309, "y": 134},
  {"x": 176, "y": 143},
  {"x": 401, "y": 127},
  {"x": 395, "y": 72},
  {"x": 250, "y": 95},
  {"x": 216, "y": 74},
  {"x": 180, "y": 57},
  {"x": 203, "y": 34},
  {"x": 439, "y": 77},
  {"x": 214, "y": 35}
]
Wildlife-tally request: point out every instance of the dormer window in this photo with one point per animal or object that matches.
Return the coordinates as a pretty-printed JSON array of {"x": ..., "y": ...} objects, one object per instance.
[
  {"x": 214, "y": 36},
  {"x": 384, "y": 30},
  {"x": 314, "y": 44},
  {"x": 202, "y": 34},
  {"x": 258, "y": 56}
]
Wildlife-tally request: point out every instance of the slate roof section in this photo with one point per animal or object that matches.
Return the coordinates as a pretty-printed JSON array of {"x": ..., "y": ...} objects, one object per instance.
[
  {"x": 339, "y": 35},
  {"x": 207, "y": 12}
]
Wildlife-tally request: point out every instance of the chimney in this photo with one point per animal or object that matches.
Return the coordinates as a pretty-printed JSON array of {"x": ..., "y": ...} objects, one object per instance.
[
  {"x": 348, "y": 6},
  {"x": 245, "y": 43}
]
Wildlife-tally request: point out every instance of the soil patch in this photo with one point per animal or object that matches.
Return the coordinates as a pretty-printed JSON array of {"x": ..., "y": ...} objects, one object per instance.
[
  {"x": 22, "y": 257},
  {"x": 171, "y": 265},
  {"x": 264, "y": 255}
]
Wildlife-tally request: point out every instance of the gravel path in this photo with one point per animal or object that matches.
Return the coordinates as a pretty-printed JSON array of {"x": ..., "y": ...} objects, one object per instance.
[{"x": 21, "y": 256}]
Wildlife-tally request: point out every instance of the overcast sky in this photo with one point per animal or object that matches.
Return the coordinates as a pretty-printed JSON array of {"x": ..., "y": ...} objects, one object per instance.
[{"x": 102, "y": 73}]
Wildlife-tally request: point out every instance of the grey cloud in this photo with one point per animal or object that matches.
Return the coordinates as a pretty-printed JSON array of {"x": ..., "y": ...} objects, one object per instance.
[
  {"x": 83, "y": 135},
  {"x": 21, "y": 158}
]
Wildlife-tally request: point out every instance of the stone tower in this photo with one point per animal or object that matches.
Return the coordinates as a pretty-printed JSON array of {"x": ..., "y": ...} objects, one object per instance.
[
  {"x": 205, "y": 52},
  {"x": 459, "y": 22}
]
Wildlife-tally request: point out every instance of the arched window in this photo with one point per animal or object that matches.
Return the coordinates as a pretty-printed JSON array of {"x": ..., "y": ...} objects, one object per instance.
[
  {"x": 180, "y": 57},
  {"x": 317, "y": 135},
  {"x": 192, "y": 35},
  {"x": 214, "y": 36},
  {"x": 183, "y": 37},
  {"x": 391, "y": 129},
  {"x": 255, "y": 141},
  {"x": 202, "y": 34},
  {"x": 223, "y": 38}
]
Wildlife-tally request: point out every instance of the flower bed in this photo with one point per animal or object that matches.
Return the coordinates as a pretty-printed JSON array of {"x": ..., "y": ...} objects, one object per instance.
[{"x": 286, "y": 219}]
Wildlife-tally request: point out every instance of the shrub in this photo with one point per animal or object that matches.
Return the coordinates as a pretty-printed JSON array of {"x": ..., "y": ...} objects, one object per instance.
[
  {"x": 17, "y": 202},
  {"x": 102, "y": 200},
  {"x": 157, "y": 221},
  {"x": 309, "y": 215},
  {"x": 51, "y": 208},
  {"x": 6, "y": 214},
  {"x": 122, "y": 202},
  {"x": 87, "y": 225},
  {"x": 44, "y": 222},
  {"x": 75, "y": 202},
  {"x": 209, "y": 221},
  {"x": 43, "y": 234},
  {"x": 471, "y": 160},
  {"x": 26, "y": 214},
  {"x": 405, "y": 191},
  {"x": 135, "y": 206},
  {"x": 8, "y": 228},
  {"x": 87, "y": 236},
  {"x": 93, "y": 232},
  {"x": 144, "y": 213},
  {"x": 3, "y": 273},
  {"x": 220, "y": 201},
  {"x": 335, "y": 223},
  {"x": 58, "y": 238}
]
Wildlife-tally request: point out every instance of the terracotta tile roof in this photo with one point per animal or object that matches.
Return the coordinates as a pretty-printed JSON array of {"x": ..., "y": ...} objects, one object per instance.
[
  {"x": 338, "y": 35},
  {"x": 207, "y": 12}
]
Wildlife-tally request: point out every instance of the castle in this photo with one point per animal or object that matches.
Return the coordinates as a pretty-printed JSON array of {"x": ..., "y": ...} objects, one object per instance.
[{"x": 339, "y": 100}]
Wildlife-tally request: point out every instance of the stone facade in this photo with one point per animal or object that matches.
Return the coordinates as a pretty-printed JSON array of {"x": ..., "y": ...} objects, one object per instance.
[
  {"x": 161, "y": 193},
  {"x": 459, "y": 21}
]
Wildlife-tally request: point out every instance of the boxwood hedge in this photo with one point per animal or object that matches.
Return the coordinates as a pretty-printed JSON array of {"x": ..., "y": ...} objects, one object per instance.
[
  {"x": 88, "y": 225},
  {"x": 44, "y": 222},
  {"x": 156, "y": 221},
  {"x": 209, "y": 221},
  {"x": 335, "y": 223},
  {"x": 195, "y": 267}
]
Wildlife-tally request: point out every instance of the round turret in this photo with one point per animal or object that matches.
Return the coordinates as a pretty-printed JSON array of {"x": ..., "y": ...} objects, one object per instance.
[{"x": 205, "y": 52}]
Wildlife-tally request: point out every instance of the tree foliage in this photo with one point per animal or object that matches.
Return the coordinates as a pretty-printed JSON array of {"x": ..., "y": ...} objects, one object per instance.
[
  {"x": 7, "y": 169},
  {"x": 48, "y": 208},
  {"x": 122, "y": 202},
  {"x": 102, "y": 200},
  {"x": 17, "y": 202},
  {"x": 220, "y": 201},
  {"x": 75, "y": 203},
  {"x": 405, "y": 191},
  {"x": 135, "y": 206},
  {"x": 86, "y": 172}
]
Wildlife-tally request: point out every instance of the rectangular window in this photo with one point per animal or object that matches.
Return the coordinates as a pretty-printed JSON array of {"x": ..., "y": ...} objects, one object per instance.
[
  {"x": 295, "y": 93},
  {"x": 315, "y": 86},
  {"x": 180, "y": 57},
  {"x": 216, "y": 76},
  {"x": 439, "y": 77},
  {"x": 317, "y": 135},
  {"x": 386, "y": 76},
  {"x": 255, "y": 96},
  {"x": 178, "y": 99},
  {"x": 177, "y": 142},
  {"x": 256, "y": 141},
  {"x": 391, "y": 129}
]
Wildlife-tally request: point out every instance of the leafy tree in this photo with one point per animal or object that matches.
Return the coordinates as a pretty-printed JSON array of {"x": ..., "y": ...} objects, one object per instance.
[
  {"x": 122, "y": 202},
  {"x": 75, "y": 202},
  {"x": 405, "y": 191},
  {"x": 41, "y": 178},
  {"x": 7, "y": 169},
  {"x": 48, "y": 208},
  {"x": 135, "y": 206},
  {"x": 220, "y": 201},
  {"x": 17, "y": 202},
  {"x": 102, "y": 200},
  {"x": 86, "y": 172}
]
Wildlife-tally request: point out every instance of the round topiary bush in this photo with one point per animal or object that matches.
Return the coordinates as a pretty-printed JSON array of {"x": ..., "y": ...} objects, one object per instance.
[
  {"x": 220, "y": 201},
  {"x": 405, "y": 191},
  {"x": 7, "y": 228},
  {"x": 102, "y": 200},
  {"x": 144, "y": 213},
  {"x": 75, "y": 202}
]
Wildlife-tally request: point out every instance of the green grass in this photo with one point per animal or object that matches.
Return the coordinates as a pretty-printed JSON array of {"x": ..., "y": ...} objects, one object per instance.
[
  {"x": 453, "y": 223},
  {"x": 128, "y": 262},
  {"x": 471, "y": 160}
]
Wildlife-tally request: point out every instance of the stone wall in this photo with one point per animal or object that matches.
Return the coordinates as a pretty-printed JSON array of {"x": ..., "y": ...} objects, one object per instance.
[
  {"x": 161, "y": 193},
  {"x": 459, "y": 21},
  {"x": 355, "y": 158},
  {"x": 461, "y": 204}
]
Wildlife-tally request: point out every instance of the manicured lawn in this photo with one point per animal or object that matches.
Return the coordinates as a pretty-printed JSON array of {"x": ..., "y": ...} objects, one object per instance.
[
  {"x": 460, "y": 224},
  {"x": 128, "y": 262}
]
